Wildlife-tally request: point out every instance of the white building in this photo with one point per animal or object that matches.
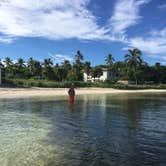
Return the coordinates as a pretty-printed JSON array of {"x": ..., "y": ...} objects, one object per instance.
[{"x": 106, "y": 74}]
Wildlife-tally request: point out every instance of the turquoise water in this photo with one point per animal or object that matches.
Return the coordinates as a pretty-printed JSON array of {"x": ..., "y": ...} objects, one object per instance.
[{"x": 124, "y": 129}]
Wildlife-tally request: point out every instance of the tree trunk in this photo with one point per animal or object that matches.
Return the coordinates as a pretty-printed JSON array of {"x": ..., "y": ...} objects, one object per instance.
[{"x": 135, "y": 77}]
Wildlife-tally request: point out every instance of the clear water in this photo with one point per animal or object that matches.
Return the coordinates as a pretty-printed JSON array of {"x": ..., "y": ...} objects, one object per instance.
[{"x": 98, "y": 130}]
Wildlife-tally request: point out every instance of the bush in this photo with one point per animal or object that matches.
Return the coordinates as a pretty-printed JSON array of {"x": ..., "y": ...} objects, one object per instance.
[
  {"x": 66, "y": 84},
  {"x": 43, "y": 83}
]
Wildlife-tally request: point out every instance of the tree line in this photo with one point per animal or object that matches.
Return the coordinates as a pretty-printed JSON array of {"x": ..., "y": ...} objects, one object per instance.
[{"x": 133, "y": 68}]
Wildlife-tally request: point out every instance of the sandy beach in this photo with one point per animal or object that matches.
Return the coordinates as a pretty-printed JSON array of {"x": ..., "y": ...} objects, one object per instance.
[{"x": 48, "y": 92}]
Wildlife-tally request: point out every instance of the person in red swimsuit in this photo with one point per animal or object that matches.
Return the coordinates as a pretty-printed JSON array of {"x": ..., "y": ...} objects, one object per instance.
[{"x": 71, "y": 93}]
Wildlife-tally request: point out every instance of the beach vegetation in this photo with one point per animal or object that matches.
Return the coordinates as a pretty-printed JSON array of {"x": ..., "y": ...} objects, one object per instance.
[{"x": 47, "y": 74}]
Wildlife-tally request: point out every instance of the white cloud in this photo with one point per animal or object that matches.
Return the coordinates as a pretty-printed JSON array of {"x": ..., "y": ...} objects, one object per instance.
[
  {"x": 40, "y": 5},
  {"x": 53, "y": 19},
  {"x": 65, "y": 19},
  {"x": 158, "y": 33},
  {"x": 162, "y": 58},
  {"x": 125, "y": 15},
  {"x": 58, "y": 58},
  {"x": 162, "y": 6},
  {"x": 154, "y": 45},
  {"x": 5, "y": 40}
]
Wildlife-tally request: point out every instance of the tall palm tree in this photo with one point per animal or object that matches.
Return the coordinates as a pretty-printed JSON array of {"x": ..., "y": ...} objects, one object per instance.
[
  {"x": 48, "y": 62},
  {"x": 31, "y": 65},
  {"x": 19, "y": 68},
  {"x": 66, "y": 65},
  {"x": 78, "y": 57},
  {"x": 65, "y": 68},
  {"x": 34, "y": 67},
  {"x": 133, "y": 60},
  {"x": 20, "y": 63},
  {"x": 47, "y": 69},
  {"x": 9, "y": 68},
  {"x": 109, "y": 60},
  {"x": 78, "y": 66},
  {"x": 8, "y": 62}
]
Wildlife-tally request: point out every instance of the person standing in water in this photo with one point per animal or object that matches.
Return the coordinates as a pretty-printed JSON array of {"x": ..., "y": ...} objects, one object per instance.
[{"x": 71, "y": 93}]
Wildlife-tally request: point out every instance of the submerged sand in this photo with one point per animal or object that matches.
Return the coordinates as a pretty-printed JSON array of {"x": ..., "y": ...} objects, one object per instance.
[{"x": 48, "y": 92}]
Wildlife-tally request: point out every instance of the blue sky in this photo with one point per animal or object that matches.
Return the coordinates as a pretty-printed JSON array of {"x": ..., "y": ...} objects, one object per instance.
[{"x": 58, "y": 28}]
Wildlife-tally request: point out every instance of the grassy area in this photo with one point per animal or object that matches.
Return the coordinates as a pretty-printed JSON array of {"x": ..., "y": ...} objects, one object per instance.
[{"x": 52, "y": 84}]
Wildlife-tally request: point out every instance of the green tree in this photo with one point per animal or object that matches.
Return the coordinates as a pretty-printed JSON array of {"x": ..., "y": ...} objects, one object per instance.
[
  {"x": 79, "y": 57},
  {"x": 20, "y": 63},
  {"x": 133, "y": 60},
  {"x": 9, "y": 68},
  {"x": 8, "y": 62},
  {"x": 34, "y": 67},
  {"x": 121, "y": 69},
  {"x": 78, "y": 66},
  {"x": 71, "y": 76},
  {"x": 87, "y": 67},
  {"x": 66, "y": 67},
  {"x": 97, "y": 71},
  {"x": 20, "y": 68},
  {"x": 159, "y": 72},
  {"x": 109, "y": 60},
  {"x": 47, "y": 70}
]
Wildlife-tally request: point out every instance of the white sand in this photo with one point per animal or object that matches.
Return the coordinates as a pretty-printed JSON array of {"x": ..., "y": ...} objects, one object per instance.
[{"x": 47, "y": 92}]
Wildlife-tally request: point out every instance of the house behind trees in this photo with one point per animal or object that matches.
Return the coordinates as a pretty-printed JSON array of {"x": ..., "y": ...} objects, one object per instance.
[{"x": 106, "y": 75}]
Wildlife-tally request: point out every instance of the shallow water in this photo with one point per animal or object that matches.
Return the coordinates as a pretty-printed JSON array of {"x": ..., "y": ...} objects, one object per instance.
[{"x": 121, "y": 129}]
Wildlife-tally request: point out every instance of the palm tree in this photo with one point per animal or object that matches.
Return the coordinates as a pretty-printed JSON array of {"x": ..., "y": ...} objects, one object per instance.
[
  {"x": 31, "y": 65},
  {"x": 65, "y": 68},
  {"x": 78, "y": 65},
  {"x": 19, "y": 68},
  {"x": 34, "y": 67},
  {"x": 66, "y": 65},
  {"x": 78, "y": 57},
  {"x": 9, "y": 70},
  {"x": 20, "y": 63},
  {"x": 48, "y": 72},
  {"x": 87, "y": 67},
  {"x": 48, "y": 62},
  {"x": 8, "y": 62},
  {"x": 109, "y": 60},
  {"x": 133, "y": 60}
]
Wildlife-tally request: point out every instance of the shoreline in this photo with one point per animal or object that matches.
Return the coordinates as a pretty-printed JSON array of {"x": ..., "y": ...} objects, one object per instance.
[{"x": 52, "y": 92}]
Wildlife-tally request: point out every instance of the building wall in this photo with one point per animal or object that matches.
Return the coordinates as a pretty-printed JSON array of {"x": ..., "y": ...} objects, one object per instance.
[
  {"x": 85, "y": 77},
  {"x": 104, "y": 76},
  {"x": 101, "y": 78}
]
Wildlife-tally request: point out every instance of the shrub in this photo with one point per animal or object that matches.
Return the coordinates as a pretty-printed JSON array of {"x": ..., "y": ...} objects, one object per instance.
[{"x": 66, "y": 84}]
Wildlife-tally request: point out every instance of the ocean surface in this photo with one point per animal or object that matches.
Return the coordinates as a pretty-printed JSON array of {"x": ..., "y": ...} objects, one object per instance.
[{"x": 97, "y": 130}]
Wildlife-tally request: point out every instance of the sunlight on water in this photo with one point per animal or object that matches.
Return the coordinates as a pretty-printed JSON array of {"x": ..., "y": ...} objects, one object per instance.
[
  {"x": 124, "y": 129},
  {"x": 20, "y": 139}
]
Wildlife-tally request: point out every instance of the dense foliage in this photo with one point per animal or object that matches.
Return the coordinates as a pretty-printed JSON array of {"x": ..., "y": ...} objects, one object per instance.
[{"x": 47, "y": 73}]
